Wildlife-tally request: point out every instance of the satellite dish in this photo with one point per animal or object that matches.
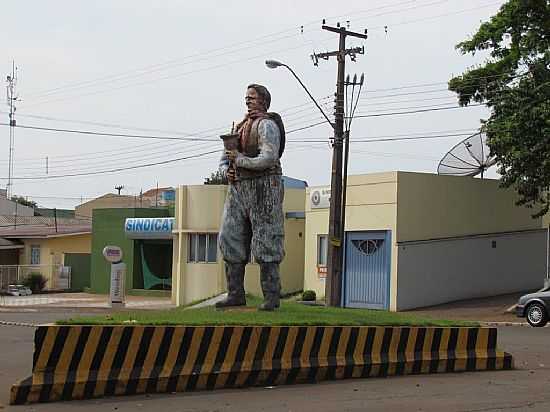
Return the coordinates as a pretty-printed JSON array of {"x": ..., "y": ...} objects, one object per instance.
[{"x": 470, "y": 157}]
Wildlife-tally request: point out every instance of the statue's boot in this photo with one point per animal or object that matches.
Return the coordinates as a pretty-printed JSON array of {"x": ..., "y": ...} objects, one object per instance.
[
  {"x": 234, "y": 274},
  {"x": 271, "y": 286}
]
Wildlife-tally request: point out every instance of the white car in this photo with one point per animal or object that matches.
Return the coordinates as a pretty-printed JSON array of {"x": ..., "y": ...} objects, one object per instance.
[
  {"x": 19, "y": 290},
  {"x": 13, "y": 290},
  {"x": 24, "y": 290}
]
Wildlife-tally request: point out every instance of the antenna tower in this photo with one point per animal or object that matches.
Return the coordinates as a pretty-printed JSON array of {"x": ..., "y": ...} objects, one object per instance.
[{"x": 12, "y": 98}]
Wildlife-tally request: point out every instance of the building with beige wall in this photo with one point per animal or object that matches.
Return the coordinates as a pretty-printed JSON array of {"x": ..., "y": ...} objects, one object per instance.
[
  {"x": 419, "y": 239},
  {"x": 198, "y": 269},
  {"x": 111, "y": 200}
]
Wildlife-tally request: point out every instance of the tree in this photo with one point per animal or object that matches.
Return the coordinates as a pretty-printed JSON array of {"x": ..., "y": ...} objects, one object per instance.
[
  {"x": 514, "y": 82},
  {"x": 216, "y": 178},
  {"x": 22, "y": 201}
]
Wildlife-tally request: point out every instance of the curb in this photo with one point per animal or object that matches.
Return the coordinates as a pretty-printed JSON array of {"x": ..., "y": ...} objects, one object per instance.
[
  {"x": 507, "y": 324},
  {"x": 503, "y": 324},
  {"x": 82, "y": 362},
  {"x": 9, "y": 323}
]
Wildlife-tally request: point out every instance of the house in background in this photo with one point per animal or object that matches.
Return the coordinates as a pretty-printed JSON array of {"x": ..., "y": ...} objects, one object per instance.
[
  {"x": 107, "y": 201},
  {"x": 10, "y": 208},
  {"x": 45, "y": 245},
  {"x": 54, "y": 212},
  {"x": 161, "y": 197}
]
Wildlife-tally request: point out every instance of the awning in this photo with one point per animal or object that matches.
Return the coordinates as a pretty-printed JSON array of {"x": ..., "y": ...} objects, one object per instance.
[{"x": 10, "y": 244}]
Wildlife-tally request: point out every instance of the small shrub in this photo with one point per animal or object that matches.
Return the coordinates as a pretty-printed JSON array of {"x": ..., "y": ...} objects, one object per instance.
[
  {"x": 36, "y": 282},
  {"x": 309, "y": 295}
]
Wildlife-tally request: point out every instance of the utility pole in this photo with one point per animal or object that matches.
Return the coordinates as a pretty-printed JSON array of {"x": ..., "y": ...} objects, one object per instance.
[
  {"x": 119, "y": 188},
  {"x": 12, "y": 97},
  {"x": 333, "y": 285}
]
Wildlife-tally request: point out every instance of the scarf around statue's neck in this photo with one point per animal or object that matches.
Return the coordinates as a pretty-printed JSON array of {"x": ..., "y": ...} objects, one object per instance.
[{"x": 244, "y": 128}]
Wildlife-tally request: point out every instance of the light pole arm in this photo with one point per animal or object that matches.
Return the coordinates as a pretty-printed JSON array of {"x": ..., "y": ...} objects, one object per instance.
[{"x": 309, "y": 94}]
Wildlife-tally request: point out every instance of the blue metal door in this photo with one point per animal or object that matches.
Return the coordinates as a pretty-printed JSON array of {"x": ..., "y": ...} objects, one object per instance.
[{"x": 366, "y": 282}]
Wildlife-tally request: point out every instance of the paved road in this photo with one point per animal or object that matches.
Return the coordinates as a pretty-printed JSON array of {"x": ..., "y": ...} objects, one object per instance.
[{"x": 526, "y": 388}]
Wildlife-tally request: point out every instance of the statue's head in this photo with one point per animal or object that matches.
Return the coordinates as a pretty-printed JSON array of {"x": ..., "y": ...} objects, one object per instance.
[{"x": 257, "y": 98}]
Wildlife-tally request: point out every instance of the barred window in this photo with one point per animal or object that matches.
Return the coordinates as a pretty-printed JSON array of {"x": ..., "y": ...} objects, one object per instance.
[
  {"x": 203, "y": 247},
  {"x": 35, "y": 254}
]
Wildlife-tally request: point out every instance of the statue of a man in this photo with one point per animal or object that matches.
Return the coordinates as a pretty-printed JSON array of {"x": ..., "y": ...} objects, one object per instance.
[{"x": 253, "y": 214}]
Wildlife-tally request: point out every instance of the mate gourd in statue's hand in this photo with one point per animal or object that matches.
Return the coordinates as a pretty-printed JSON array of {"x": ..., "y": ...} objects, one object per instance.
[{"x": 231, "y": 144}]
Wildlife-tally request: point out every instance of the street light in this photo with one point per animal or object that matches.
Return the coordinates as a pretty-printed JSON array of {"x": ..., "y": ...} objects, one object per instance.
[{"x": 273, "y": 64}]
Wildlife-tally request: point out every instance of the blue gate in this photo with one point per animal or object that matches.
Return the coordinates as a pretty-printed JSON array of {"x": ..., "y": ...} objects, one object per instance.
[{"x": 366, "y": 282}]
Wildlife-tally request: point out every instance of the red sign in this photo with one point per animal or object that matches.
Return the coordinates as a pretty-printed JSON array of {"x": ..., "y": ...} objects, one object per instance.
[{"x": 322, "y": 272}]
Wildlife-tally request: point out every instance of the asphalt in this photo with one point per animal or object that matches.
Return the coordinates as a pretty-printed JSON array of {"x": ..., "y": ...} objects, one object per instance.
[
  {"x": 488, "y": 309},
  {"x": 525, "y": 388}
]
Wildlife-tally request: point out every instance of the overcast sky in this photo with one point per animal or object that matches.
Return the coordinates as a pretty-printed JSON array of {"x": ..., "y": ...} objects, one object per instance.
[{"x": 179, "y": 68}]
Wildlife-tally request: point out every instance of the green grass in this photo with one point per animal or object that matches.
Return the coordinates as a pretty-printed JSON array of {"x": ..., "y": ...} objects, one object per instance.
[
  {"x": 290, "y": 313},
  {"x": 149, "y": 293}
]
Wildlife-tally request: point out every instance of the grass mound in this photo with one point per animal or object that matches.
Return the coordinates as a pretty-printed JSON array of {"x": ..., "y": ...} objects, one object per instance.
[{"x": 290, "y": 313}]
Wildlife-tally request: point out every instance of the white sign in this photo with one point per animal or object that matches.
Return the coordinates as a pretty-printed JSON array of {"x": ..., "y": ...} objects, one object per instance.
[
  {"x": 149, "y": 227},
  {"x": 112, "y": 254},
  {"x": 319, "y": 198},
  {"x": 118, "y": 272}
]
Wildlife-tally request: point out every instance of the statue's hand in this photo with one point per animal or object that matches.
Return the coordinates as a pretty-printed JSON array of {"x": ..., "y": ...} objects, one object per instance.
[
  {"x": 231, "y": 155},
  {"x": 231, "y": 175}
]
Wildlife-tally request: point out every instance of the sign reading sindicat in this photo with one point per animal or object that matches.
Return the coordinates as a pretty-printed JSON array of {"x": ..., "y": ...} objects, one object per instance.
[{"x": 149, "y": 227}]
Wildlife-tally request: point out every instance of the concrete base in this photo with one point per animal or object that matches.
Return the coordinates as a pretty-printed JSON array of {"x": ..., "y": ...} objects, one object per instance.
[{"x": 81, "y": 362}]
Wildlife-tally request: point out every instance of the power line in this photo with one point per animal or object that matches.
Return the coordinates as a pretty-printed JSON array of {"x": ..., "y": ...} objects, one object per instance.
[
  {"x": 469, "y": 131},
  {"x": 89, "y": 132},
  {"x": 417, "y": 107},
  {"x": 453, "y": 13},
  {"x": 289, "y": 110},
  {"x": 205, "y": 140},
  {"x": 119, "y": 158},
  {"x": 305, "y": 127},
  {"x": 388, "y": 139},
  {"x": 87, "y": 166},
  {"x": 370, "y": 140},
  {"x": 120, "y": 161},
  {"x": 418, "y": 111},
  {"x": 119, "y": 169},
  {"x": 412, "y": 86},
  {"x": 94, "y": 133}
]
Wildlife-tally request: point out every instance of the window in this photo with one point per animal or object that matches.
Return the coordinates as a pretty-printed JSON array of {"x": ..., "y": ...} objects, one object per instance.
[
  {"x": 192, "y": 248},
  {"x": 322, "y": 250},
  {"x": 212, "y": 254},
  {"x": 203, "y": 247},
  {"x": 35, "y": 254}
]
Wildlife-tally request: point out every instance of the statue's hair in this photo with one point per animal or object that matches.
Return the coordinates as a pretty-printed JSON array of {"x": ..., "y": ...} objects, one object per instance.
[{"x": 263, "y": 92}]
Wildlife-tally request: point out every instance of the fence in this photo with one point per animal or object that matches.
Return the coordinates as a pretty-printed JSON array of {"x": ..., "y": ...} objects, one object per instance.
[{"x": 58, "y": 277}]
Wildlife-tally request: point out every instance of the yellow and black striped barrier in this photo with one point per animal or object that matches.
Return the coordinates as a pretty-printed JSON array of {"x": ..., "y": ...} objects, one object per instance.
[{"x": 81, "y": 362}]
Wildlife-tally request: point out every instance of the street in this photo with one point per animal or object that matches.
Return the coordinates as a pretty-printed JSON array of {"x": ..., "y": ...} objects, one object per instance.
[{"x": 525, "y": 388}]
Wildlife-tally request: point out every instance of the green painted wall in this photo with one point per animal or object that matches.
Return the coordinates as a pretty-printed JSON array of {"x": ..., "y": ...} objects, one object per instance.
[
  {"x": 108, "y": 229},
  {"x": 80, "y": 269}
]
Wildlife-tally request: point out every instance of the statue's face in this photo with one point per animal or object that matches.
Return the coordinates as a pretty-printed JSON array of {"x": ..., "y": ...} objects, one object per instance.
[{"x": 253, "y": 100}]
